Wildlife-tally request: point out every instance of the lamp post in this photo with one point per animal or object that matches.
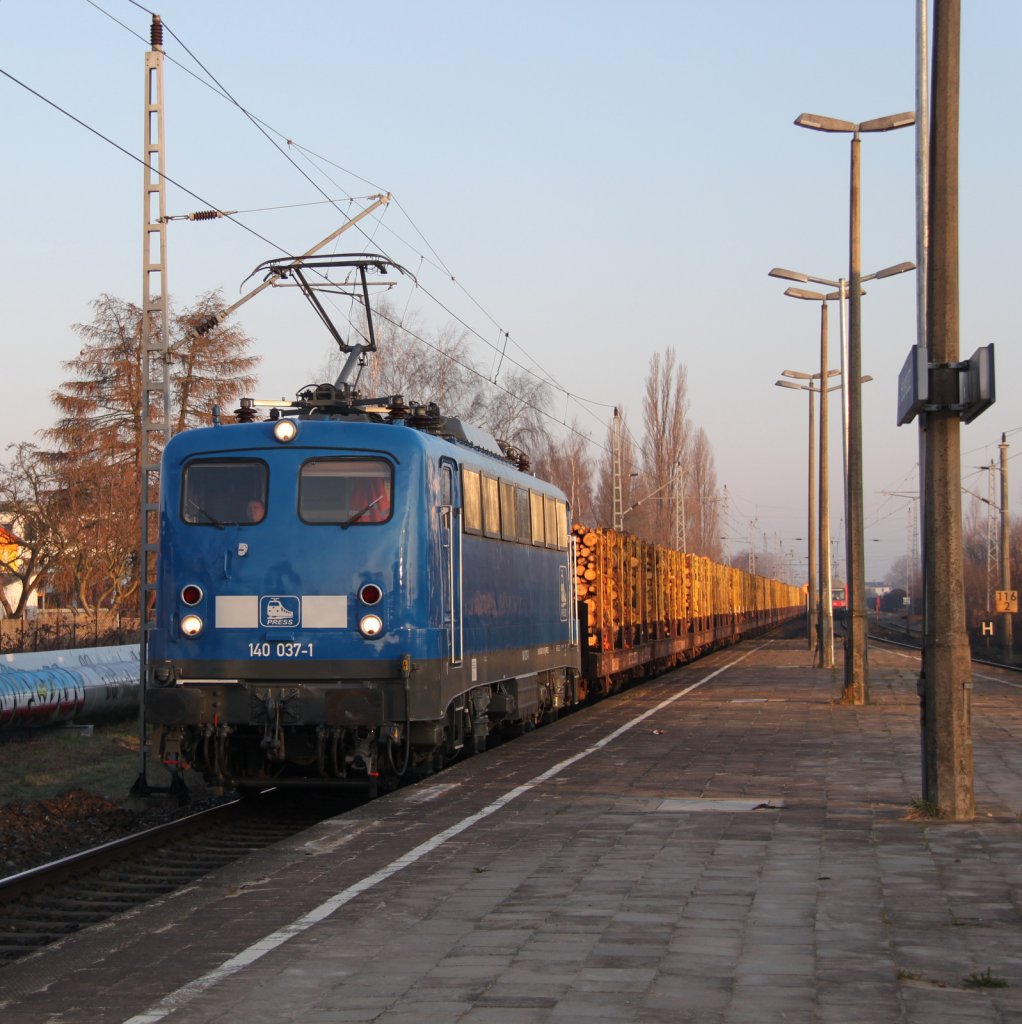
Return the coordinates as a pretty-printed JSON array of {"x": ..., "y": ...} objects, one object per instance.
[
  {"x": 812, "y": 626},
  {"x": 856, "y": 671},
  {"x": 856, "y": 690},
  {"x": 825, "y": 651},
  {"x": 824, "y": 610}
]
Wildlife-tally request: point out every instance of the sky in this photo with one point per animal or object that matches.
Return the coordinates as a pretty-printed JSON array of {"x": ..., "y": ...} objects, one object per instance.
[{"x": 600, "y": 180}]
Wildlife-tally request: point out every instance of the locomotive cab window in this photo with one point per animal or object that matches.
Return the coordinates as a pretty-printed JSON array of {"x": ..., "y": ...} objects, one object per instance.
[
  {"x": 215, "y": 492},
  {"x": 348, "y": 492}
]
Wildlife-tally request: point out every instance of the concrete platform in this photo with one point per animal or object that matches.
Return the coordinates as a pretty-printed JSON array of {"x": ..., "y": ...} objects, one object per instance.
[{"x": 725, "y": 844}]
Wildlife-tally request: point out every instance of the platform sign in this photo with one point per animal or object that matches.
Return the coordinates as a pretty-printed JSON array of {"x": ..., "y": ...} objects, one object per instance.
[
  {"x": 1006, "y": 601},
  {"x": 913, "y": 385},
  {"x": 976, "y": 385}
]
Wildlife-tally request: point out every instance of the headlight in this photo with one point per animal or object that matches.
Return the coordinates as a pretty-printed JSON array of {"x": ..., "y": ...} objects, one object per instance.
[
  {"x": 285, "y": 430},
  {"x": 370, "y": 626},
  {"x": 191, "y": 625}
]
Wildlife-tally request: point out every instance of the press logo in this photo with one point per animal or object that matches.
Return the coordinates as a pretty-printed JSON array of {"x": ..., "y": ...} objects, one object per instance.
[{"x": 280, "y": 611}]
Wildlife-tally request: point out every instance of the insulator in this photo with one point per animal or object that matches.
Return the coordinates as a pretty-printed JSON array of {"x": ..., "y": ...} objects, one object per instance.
[
  {"x": 205, "y": 215},
  {"x": 246, "y": 412},
  {"x": 398, "y": 409},
  {"x": 524, "y": 462},
  {"x": 156, "y": 33},
  {"x": 207, "y": 324},
  {"x": 427, "y": 418}
]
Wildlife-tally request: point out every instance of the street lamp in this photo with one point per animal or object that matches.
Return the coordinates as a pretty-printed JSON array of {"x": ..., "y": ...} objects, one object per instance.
[
  {"x": 826, "y": 659},
  {"x": 825, "y": 650},
  {"x": 842, "y": 294},
  {"x": 856, "y": 682},
  {"x": 812, "y": 626},
  {"x": 856, "y": 689},
  {"x": 823, "y": 613}
]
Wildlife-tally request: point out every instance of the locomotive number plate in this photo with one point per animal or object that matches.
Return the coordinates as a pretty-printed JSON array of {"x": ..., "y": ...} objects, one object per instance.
[{"x": 279, "y": 650}]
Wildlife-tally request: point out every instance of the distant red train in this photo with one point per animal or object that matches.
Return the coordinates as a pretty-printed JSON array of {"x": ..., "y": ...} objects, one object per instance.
[{"x": 839, "y": 597}]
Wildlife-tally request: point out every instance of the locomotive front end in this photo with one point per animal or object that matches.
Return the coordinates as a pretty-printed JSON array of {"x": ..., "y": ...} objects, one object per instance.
[{"x": 288, "y": 615}]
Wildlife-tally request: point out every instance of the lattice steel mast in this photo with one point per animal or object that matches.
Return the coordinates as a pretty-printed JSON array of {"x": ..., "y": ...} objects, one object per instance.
[
  {"x": 615, "y": 446},
  {"x": 155, "y": 407}
]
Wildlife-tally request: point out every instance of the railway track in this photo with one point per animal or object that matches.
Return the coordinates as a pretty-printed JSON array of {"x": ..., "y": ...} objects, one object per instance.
[
  {"x": 916, "y": 645},
  {"x": 44, "y": 905}
]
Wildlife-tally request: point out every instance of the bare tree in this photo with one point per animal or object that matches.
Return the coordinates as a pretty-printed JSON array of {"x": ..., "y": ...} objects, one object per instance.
[
  {"x": 702, "y": 500},
  {"x": 665, "y": 442},
  {"x": 515, "y": 412},
  {"x": 100, "y": 522},
  {"x": 32, "y": 513},
  {"x": 567, "y": 463},
  {"x": 424, "y": 366},
  {"x": 420, "y": 366},
  {"x": 901, "y": 574}
]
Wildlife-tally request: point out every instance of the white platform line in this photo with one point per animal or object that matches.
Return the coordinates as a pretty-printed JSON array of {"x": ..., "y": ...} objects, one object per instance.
[{"x": 184, "y": 995}]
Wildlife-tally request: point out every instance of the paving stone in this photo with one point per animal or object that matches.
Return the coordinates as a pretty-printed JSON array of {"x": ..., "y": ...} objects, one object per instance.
[{"x": 588, "y": 900}]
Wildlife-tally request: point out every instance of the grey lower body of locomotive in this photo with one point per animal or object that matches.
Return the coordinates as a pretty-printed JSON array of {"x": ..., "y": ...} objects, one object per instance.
[{"x": 317, "y": 729}]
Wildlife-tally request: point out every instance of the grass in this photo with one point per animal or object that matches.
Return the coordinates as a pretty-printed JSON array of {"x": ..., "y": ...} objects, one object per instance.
[
  {"x": 984, "y": 980},
  {"x": 923, "y": 809},
  {"x": 48, "y": 762}
]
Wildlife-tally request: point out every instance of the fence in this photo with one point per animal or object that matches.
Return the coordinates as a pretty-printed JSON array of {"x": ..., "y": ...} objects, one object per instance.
[{"x": 64, "y": 628}]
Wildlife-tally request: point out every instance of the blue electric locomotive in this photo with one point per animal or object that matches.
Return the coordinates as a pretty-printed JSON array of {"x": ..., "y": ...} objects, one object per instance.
[{"x": 351, "y": 591}]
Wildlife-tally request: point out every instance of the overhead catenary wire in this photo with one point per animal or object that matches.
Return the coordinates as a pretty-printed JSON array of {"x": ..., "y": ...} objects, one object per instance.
[
  {"x": 250, "y": 230},
  {"x": 264, "y": 128},
  {"x": 501, "y": 352},
  {"x": 95, "y": 131}
]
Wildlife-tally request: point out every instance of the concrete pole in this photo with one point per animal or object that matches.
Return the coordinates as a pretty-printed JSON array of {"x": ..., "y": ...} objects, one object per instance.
[
  {"x": 826, "y": 608},
  {"x": 922, "y": 275},
  {"x": 856, "y": 688},
  {"x": 812, "y": 626},
  {"x": 946, "y": 656},
  {"x": 1006, "y": 638}
]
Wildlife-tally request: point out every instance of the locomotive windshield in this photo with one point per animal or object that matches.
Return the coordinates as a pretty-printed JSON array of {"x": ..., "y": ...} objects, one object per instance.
[
  {"x": 344, "y": 491},
  {"x": 215, "y": 492}
]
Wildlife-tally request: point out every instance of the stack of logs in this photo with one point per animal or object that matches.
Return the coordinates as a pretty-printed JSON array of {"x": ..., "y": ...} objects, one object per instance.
[
  {"x": 634, "y": 591},
  {"x": 589, "y": 558},
  {"x": 586, "y": 570}
]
